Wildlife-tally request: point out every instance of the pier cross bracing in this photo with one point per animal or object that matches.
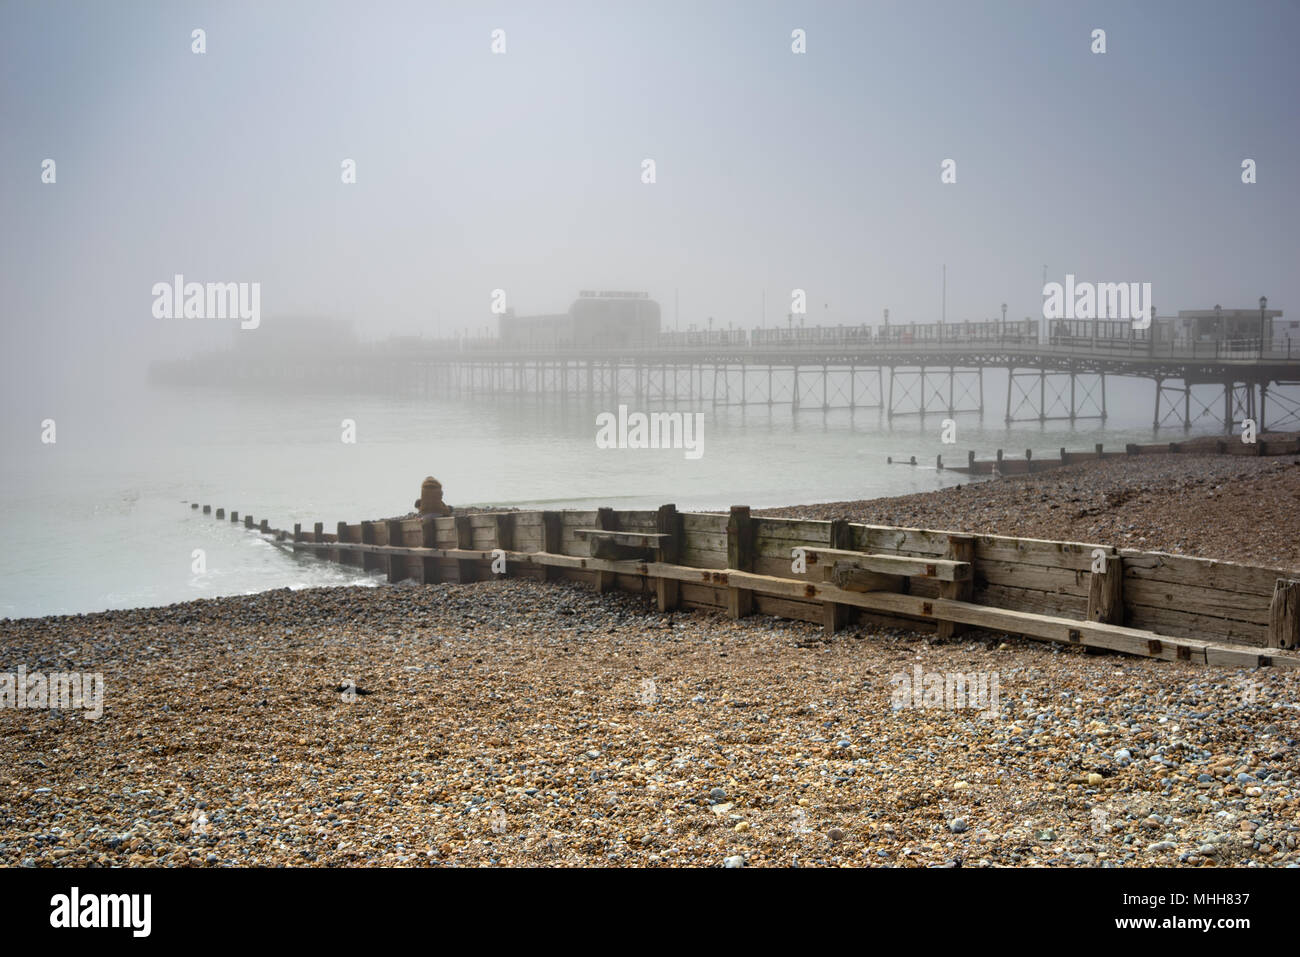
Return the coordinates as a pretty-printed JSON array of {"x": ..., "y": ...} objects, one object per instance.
[
  {"x": 836, "y": 572},
  {"x": 1056, "y": 373}
]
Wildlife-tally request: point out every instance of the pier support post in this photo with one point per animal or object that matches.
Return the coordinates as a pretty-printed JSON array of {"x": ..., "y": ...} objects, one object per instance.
[
  {"x": 1284, "y": 614},
  {"x": 961, "y": 548},
  {"x": 834, "y": 615},
  {"x": 668, "y": 590},
  {"x": 740, "y": 557}
]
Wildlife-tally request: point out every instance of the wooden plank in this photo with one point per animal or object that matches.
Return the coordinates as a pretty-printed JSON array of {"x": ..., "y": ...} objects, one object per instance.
[
  {"x": 1284, "y": 615},
  {"x": 1171, "y": 621},
  {"x": 941, "y": 569},
  {"x": 856, "y": 579},
  {"x": 793, "y": 610},
  {"x": 1202, "y": 572},
  {"x": 1061, "y": 581},
  {"x": 1045, "y": 603},
  {"x": 1205, "y": 602},
  {"x": 622, "y": 537}
]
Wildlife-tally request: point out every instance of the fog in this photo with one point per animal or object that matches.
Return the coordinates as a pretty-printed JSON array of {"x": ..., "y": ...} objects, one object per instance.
[{"x": 522, "y": 170}]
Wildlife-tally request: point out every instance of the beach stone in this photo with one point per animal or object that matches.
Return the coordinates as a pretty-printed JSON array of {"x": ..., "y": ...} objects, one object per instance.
[{"x": 734, "y": 861}]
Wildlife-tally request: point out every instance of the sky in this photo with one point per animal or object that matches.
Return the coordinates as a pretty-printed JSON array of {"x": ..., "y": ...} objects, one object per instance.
[{"x": 523, "y": 170}]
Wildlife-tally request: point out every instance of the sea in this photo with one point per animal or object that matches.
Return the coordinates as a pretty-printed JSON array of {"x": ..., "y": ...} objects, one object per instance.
[{"x": 100, "y": 518}]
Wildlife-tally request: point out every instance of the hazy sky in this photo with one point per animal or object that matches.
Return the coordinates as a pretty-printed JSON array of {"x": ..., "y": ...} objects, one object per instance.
[{"x": 522, "y": 170}]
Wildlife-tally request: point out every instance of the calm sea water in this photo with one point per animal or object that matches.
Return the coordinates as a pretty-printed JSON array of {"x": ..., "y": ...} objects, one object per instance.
[{"x": 100, "y": 519}]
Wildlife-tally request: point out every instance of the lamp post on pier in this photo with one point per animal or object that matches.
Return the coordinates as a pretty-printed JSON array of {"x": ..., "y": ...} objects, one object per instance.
[{"x": 1263, "y": 304}]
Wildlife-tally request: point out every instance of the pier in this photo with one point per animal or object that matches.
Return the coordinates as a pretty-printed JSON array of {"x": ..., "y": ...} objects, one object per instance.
[{"x": 1055, "y": 371}]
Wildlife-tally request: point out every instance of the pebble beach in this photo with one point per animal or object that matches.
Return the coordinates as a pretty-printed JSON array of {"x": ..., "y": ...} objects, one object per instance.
[{"x": 510, "y": 723}]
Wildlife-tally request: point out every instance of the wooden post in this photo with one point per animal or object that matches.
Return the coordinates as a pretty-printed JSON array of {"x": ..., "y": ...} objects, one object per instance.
[
  {"x": 221, "y": 513},
  {"x": 740, "y": 557},
  {"x": 429, "y": 539},
  {"x": 668, "y": 590},
  {"x": 194, "y": 504},
  {"x": 1029, "y": 460},
  {"x": 340, "y": 536},
  {"x": 552, "y": 541},
  {"x": 505, "y": 535},
  {"x": 970, "y": 462},
  {"x": 318, "y": 534},
  {"x": 234, "y": 516},
  {"x": 248, "y": 521},
  {"x": 297, "y": 535},
  {"x": 369, "y": 560},
  {"x": 835, "y": 616},
  {"x": 1284, "y": 614},
  {"x": 207, "y": 509},
  {"x": 1106, "y": 589},
  {"x": 961, "y": 548},
  {"x": 265, "y": 527},
  {"x": 396, "y": 563},
  {"x": 607, "y": 519},
  {"x": 1099, "y": 450},
  {"x": 465, "y": 570}
]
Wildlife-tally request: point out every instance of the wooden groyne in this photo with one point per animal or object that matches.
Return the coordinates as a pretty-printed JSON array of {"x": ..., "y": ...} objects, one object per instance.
[
  {"x": 1000, "y": 465},
  {"x": 837, "y": 572}
]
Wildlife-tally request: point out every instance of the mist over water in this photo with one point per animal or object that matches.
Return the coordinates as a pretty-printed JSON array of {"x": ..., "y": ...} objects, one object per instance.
[{"x": 100, "y": 519}]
